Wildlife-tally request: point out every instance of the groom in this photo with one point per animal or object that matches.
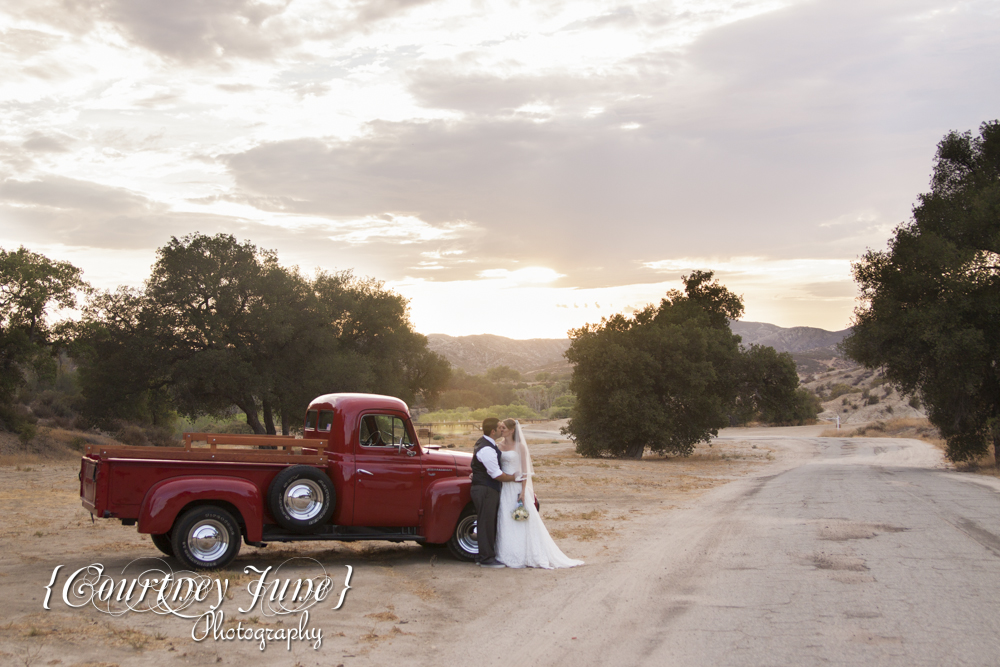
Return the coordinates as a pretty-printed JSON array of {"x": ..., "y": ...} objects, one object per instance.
[{"x": 486, "y": 479}]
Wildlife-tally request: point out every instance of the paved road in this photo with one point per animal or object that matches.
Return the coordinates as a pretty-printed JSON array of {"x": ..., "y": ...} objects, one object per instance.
[
  {"x": 845, "y": 552},
  {"x": 861, "y": 555}
]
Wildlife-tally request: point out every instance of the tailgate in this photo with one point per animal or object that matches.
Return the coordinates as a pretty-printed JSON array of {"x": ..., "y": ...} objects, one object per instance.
[{"x": 88, "y": 483}]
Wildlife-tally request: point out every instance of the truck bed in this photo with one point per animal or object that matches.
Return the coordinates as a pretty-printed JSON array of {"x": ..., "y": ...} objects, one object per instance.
[
  {"x": 101, "y": 463},
  {"x": 224, "y": 447}
]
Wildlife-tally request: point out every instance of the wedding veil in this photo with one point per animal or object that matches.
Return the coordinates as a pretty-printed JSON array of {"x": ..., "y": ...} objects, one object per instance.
[{"x": 525, "y": 469}]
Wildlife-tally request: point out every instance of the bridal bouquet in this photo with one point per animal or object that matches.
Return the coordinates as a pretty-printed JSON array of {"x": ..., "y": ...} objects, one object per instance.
[{"x": 519, "y": 513}]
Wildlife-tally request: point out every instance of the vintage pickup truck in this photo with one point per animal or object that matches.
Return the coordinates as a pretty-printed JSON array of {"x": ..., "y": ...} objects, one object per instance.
[{"x": 358, "y": 473}]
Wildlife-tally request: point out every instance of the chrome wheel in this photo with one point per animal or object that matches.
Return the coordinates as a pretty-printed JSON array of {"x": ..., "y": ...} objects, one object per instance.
[
  {"x": 466, "y": 535},
  {"x": 304, "y": 500},
  {"x": 208, "y": 540},
  {"x": 205, "y": 537}
]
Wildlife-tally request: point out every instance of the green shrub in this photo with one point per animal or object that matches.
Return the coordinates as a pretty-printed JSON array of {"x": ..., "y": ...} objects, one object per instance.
[
  {"x": 27, "y": 432},
  {"x": 840, "y": 389},
  {"x": 878, "y": 427},
  {"x": 560, "y": 412},
  {"x": 131, "y": 434}
]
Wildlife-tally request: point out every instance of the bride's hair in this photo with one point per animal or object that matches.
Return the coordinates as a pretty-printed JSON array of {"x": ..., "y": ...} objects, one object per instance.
[{"x": 512, "y": 425}]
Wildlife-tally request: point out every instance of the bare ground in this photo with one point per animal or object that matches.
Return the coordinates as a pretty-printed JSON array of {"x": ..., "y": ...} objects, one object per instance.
[{"x": 407, "y": 604}]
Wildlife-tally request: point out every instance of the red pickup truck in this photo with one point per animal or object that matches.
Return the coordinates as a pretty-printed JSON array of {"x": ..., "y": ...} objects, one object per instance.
[{"x": 358, "y": 473}]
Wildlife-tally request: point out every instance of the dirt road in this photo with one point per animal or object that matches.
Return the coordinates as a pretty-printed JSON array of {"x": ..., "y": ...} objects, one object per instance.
[{"x": 770, "y": 548}]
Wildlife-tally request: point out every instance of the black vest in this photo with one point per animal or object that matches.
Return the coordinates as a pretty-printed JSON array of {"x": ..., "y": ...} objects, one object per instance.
[{"x": 479, "y": 474}]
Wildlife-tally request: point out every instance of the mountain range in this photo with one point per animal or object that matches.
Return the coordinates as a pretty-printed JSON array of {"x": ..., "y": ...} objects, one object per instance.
[{"x": 813, "y": 349}]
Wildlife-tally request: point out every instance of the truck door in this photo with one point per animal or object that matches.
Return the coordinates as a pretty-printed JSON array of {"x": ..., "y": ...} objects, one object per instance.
[{"x": 387, "y": 478}]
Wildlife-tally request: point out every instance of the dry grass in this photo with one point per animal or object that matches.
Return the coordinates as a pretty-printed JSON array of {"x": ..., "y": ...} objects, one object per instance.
[
  {"x": 985, "y": 466},
  {"x": 559, "y": 515},
  {"x": 919, "y": 429},
  {"x": 386, "y": 616},
  {"x": 50, "y": 445},
  {"x": 72, "y": 629},
  {"x": 584, "y": 533}
]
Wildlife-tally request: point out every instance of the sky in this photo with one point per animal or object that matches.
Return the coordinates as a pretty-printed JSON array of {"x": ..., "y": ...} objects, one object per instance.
[{"x": 516, "y": 168}]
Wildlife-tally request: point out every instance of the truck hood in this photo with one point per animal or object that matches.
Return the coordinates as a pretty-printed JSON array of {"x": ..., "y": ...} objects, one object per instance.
[
  {"x": 439, "y": 457},
  {"x": 463, "y": 460}
]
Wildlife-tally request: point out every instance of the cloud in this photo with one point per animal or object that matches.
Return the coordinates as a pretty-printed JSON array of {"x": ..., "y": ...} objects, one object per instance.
[
  {"x": 372, "y": 11},
  {"x": 187, "y": 31},
  {"x": 58, "y": 210},
  {"x": 74, "y": 212},
  {"x": 831, "y": 290},
  {"x": 441, "y": 86},
  {"x": 195, "y": 30},
  {"x": 750, "y": 142},
  {"x": 582, "y": 189},
  {"x": 61, "y": 193},
  {"x": 199, "y": 32},
  {"x": 40, "y": 143},
  {"x": 26, "y": 43},
  {"x": 529, "y": 275}
]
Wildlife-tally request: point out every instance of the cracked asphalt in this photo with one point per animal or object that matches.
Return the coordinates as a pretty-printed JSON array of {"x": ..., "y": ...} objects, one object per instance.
[{"x": 843, "y": 552}]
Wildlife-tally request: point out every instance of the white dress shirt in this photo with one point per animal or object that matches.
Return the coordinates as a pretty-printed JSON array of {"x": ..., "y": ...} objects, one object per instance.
[{"x": 490, "y": 460}]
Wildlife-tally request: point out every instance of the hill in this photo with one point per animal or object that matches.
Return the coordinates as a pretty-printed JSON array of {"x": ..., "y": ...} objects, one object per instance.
[
  {"x": 476, "y": 354},
  {"x": 793, "y": 339},
  {"x": 813, "y": 349}
]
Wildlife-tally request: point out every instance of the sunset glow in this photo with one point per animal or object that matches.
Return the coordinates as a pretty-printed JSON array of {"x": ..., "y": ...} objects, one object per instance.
[{"x": 563, "y": 161}]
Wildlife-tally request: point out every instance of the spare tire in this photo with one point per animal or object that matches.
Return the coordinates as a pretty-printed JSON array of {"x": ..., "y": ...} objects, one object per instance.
[{"x": 301, "y": 498}]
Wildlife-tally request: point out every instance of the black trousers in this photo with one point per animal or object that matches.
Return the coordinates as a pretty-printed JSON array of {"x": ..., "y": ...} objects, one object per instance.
[{"x": 487, "y": 502}]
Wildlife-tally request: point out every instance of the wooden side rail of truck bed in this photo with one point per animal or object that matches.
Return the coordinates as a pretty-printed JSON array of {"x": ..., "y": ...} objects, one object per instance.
[{"x": 234, "y": 448}]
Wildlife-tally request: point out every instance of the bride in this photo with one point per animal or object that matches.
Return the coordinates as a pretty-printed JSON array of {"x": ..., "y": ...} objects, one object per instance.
[{"x": 522, "y": 543}]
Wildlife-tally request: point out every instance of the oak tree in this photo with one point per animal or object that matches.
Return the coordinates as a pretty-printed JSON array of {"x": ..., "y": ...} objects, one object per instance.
[
  {"x": 930, "y": 304},
  {"x": 662, "y": 379}
]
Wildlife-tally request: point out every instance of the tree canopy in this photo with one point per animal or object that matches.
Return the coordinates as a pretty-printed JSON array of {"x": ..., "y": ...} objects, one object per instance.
[
  {"x": 670, "y": 375},
  {"x": 30, "y": 286},
  {"x": 222, "y": 323},
  {"x": 768, "y": 388},
  {"x": 930, "y": 304}
]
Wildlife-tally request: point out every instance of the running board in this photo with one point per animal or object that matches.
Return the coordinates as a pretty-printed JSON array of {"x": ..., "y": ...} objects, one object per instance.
[{"x": 342, "y": 534}]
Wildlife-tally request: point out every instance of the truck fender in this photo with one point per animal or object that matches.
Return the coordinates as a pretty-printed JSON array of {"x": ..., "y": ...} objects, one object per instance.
[
  {"x": 444, "y": 500},
  {"x": 165, "y": 500}
]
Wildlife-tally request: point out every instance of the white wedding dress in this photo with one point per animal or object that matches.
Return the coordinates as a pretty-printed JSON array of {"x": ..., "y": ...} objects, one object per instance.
[{"x": 524, "y": 543}]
